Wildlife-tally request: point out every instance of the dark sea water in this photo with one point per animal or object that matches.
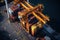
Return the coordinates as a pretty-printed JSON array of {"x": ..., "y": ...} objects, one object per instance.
[
  {"x": 52, "y": 9},
  {"x": 1, "y": 17},
  {"x": 4, "y": 35}
]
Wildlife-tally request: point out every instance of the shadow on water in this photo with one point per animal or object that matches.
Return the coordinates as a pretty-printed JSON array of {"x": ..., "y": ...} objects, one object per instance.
[
  {"x": 1, "y": 17},
  {"x": 4, "y": 35}
]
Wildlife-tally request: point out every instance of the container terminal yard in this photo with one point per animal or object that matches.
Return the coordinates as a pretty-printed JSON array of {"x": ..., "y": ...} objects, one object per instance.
[{"x": 20, "y": 20}]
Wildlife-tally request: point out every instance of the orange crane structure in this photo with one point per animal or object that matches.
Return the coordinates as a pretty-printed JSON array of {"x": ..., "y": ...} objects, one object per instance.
[{"x": 37, "y": 13}]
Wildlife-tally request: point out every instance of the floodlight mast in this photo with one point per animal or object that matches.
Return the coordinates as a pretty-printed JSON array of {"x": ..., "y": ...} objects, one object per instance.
[{"x": 7, "y": 8}]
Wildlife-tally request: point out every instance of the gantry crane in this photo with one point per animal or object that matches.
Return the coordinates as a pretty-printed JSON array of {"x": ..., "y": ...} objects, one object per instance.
[
  {"x": 31, "y": 17},
  {"x": 36, "y": 12}
]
